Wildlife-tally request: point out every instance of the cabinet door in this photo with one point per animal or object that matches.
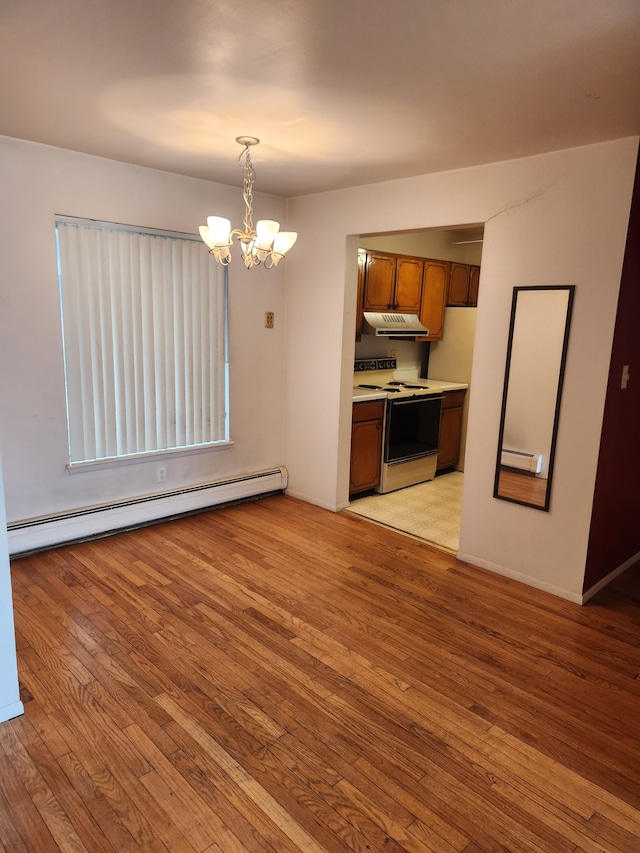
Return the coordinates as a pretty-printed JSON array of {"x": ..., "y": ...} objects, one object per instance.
[
  {"x": 474, "y": 281},
  {"x": 362, "y": 260},
  {"x": 450, "y": 432},
  {"x": 459, "y": 284},
  {"x": 379, "y": 282},
  {"x": 366, "y": 455},
  {"x": 435, "y": 280},
  {"x": 408, "y": 285}
]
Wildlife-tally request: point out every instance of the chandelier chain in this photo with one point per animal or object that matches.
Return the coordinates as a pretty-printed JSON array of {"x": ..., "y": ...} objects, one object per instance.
[{"x": 247, "y": 191}]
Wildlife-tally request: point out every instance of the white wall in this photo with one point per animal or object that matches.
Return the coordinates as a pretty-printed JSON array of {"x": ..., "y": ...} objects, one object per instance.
[
  {"x": 408, "y": 354},
  {"x": 10, "y": 704},
  {"x": 559, "y": 218},
  {"x": 451, "y": 359},
  {"x": 39, "y": 181},
  {"x": 439, "y": 244}
]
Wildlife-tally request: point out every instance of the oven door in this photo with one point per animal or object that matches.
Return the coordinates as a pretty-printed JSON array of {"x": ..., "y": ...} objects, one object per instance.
[{"x": 412, "y": 428}]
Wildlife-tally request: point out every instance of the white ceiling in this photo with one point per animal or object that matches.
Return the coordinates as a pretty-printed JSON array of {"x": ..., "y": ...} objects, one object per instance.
[{"x": 341, "y": 92}]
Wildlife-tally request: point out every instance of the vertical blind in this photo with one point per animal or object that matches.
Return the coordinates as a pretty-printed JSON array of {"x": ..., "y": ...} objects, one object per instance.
[{"x": 144, "y": 332}]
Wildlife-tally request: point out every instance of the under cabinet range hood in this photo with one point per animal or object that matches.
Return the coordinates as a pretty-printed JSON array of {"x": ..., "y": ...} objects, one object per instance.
[{"x": 393, "y": 325}]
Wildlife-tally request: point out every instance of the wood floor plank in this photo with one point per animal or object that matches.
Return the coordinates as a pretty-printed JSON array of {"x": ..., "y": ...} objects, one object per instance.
[
  {"x": 286, "y": 821},
  {"x": 273, "y": 677},
  {"x": 61, "y": 835},
  {"x": 230, "y": 799},
  {"x": 440, "y": 834},
  {"x": 88, "y": 830},
  {"x": 342, "y": 818},
  {"x": 21, "y": 827},
  {"x": 386, "y": 754},
  {"x": 109, "y": 792},
  {"x": 98, "y": 802}
]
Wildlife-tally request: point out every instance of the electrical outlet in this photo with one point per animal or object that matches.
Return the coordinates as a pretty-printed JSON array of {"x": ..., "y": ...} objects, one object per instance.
[
  {"x": 268, "y": 319},
  {"x": 162, "y": 474}
]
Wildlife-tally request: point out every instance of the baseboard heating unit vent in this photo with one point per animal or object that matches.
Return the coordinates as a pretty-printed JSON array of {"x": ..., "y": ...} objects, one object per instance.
[
  {"x": 530, "y": 462},
  {"x": 46, "y": 531}
]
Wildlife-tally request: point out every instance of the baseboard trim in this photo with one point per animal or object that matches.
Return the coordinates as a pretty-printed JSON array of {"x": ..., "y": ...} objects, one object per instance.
[
  {"x": 311, "y": 500},
  {"x": 47, "y": 531},
  {"x": 8, "y": 712},
  {"x": 536, "y": 583},
  {"x": 610, "y": 577}
]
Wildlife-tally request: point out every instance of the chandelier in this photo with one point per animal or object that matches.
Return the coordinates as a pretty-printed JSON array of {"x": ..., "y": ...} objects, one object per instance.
[{"x": 265, "y": 244}]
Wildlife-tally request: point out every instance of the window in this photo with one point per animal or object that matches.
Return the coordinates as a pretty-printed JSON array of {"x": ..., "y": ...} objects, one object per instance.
[{"x": 144, "y": 335}]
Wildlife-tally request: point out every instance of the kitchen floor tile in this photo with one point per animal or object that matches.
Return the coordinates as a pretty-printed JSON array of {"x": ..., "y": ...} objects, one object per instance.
[{"x": 430, "y": 511}]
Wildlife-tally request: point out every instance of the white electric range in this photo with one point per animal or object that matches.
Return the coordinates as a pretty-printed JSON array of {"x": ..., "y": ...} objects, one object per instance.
[
  {"x": 382, "y": 374},
  {"x": 375, "y": 380},
  {"x": 411, "y": 423}
]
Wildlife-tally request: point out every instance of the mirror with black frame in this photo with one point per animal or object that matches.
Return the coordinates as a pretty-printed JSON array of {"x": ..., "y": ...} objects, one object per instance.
[{"x": 536, "y": 355}]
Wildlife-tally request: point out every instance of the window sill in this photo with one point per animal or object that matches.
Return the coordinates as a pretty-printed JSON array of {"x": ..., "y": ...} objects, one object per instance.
[{"x": 154, "y": 456}]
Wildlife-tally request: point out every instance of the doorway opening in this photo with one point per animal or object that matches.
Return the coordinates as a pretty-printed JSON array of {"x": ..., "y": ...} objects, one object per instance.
[{"x": 430, "y": 510}]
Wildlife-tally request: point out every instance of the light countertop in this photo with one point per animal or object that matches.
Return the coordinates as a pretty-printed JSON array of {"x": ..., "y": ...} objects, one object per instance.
[
  {"x": 362, "y": 395},
  {"x": 444, "y": 386}
]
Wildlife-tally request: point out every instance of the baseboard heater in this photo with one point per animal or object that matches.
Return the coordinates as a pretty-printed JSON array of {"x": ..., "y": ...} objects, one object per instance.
[
  {"x": 46, "y": 531},
  {"x": 530, "y": 462}
]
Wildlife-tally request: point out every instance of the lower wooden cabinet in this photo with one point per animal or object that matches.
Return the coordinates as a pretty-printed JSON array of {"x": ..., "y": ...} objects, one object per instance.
[
  {"x": 450, "y": 430},
  {"x": 366, "y": 445}
]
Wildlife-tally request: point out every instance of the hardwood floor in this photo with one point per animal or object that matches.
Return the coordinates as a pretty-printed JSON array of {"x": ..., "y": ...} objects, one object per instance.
[{"x": 274, "y": 677}]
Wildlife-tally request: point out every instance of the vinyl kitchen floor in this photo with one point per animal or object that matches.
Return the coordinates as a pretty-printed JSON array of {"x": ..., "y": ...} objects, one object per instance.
[{"x": 430, "y": 511}]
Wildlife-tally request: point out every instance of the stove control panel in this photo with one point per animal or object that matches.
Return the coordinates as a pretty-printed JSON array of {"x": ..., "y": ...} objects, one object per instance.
[{"x": 374, "y": 364}]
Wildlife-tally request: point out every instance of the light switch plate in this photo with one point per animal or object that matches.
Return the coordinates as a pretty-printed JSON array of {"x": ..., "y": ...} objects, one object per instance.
[{"x": 625, "y": 377}]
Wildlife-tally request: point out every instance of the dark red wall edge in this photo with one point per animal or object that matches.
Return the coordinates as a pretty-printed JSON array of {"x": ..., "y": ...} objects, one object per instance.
[{"x": 614, "y": 537}]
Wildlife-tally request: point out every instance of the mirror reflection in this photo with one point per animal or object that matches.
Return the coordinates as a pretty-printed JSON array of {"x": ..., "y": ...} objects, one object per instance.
[{"x": 536, "y": 356}]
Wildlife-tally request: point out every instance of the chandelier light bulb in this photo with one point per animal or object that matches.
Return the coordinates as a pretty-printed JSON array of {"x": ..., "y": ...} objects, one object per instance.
[
  {"x": 219, "y": 230},
  {"x": 282, "y": 242},
  {"x": 266, "y": 244},
  {"x": 266, "y": 230}
]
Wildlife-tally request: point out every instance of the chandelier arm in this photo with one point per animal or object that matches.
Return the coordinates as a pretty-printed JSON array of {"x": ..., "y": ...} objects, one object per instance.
[{"x": 248, "y": 235}]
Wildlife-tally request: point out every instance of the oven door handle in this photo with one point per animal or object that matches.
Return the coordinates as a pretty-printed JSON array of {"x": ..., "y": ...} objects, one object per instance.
[{"x": 418, "y": 397}]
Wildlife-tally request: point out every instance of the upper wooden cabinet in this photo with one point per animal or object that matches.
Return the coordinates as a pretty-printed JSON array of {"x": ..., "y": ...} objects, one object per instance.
[
  {"x": 404, "y": 284},
  {"x": 474, "y": 282},
  {"x": 392, "y": 283},
  {"x": 409, "y": 285},
  {"x": 435, "y": 279},
  {"x": 463, "y": 285}
]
